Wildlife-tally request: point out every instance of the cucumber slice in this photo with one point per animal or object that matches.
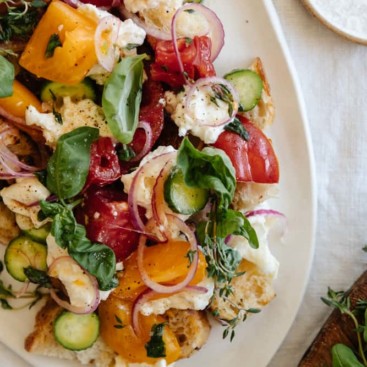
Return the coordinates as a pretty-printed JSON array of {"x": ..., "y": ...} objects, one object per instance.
[
  {"x": 76, "y": 332},
  {"x": 39, "y": 234},
  {"x": 248, "y": 85},
  {"x": 23, "y": 252},
  {"x": 54, "y": 90},
  {"x": 181, "y": 198}
]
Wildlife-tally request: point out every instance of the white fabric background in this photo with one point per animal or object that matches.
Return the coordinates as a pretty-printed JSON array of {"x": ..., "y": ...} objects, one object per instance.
[{"x": 333, "y": 78}]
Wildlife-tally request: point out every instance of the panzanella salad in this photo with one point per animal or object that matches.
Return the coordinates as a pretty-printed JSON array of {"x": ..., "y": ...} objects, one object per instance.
[{"x": 133, "y": 179}]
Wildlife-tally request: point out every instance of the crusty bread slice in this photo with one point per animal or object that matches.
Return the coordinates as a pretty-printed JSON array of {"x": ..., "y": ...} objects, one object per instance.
[
  {"x": 190, "y": 327},
  {"x": 264, "y": 112},
  {"x": 41, "y": 341},
  {"x": 250, "y": 290},
  {"x": 8, "y": 226}
]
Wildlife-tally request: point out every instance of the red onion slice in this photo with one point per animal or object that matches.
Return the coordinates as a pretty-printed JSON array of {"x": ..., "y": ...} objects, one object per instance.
[
  {"x": 158, "y": 202},
  {"x": 10, "y": 166},
  {"x": 216, "y": 33},
  {"x": 275, "y": 220},
  {"x": 135, "y": 186},
  {"x": 105, "y": 38},
  {"x": 179, "y": 225},
  {"x": 211, "y": 82},
  {"x": 148, "y": 141},
  {"x": 93, "y": 285}
]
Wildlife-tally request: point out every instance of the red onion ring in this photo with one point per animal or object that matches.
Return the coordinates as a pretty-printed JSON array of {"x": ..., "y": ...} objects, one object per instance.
[
  {"x": 34, "y": 132},
  {"x": 152, "y": 31},
  {"x": 158, "y": 202},
  {"x": 217, "y": 31},
  {"x": 276, "y": 220},
  {"x": 252, "y": 213},
  {"x": 148, "y": 140},
  {"x": 148, "y": 294},
  {"x": 134, "y": 188},
  {"x": 88, "y": 308},
  {"x": 181, "y": 226},
  {"x": 211, "y": 81},
  {"x": 105, "y": 49},
  {"x": 11, "y": 166}
]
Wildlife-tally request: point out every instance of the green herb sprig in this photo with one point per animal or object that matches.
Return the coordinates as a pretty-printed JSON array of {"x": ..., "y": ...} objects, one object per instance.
[
  {"x": 8, "y": 296},
  {"x": 342, "y": 355},
  {"x": 212, "y": 170},
  {"x": 20, "y": 19}
]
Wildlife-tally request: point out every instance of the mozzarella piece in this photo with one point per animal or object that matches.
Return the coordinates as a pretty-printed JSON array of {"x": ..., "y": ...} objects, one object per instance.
[
  {"x": 20, "y": 199},
  {"x": 159, "y": 13},
  {"x": 54, "y": 251},
  {"x": 149, "y": 177},
  {"x": 201, "y": 108},
  {"x": 262, "y": 256},
  {"x": 74, "y": 115},
  {"x": 185, "y": 300},
  {"x": 77, "y": 283},
  {"x": 127, "y": 37}
]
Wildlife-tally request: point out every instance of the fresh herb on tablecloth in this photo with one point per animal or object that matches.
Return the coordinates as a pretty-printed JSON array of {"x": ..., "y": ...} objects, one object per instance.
[{"x": 343, "y": 355}]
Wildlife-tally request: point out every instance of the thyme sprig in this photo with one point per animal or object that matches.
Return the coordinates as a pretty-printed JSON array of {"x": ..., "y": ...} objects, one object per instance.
[
  {"x": 8, "y": 297},
  {"x": 230, "y": 325},
  {"x": 341, "y": 301}
]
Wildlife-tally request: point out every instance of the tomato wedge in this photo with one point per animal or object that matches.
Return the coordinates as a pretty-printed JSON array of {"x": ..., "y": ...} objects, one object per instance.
[
  {"x": 106, "y": 215},
  {"x": 195, "y": 56},
  {"x": 104, "y": 165},
  {"x": 253, "y": 160}
]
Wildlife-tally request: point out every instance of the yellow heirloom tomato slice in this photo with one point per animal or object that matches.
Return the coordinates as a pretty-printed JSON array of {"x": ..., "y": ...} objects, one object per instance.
[
  {"x": 21, "y": 98},
  {"x": 69, "y": 62}
]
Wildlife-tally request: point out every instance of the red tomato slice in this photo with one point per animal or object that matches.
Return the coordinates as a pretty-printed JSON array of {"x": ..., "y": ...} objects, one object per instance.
[
  {"x": 253, "y": 160},
  {"x": 195, "y": 56},
  {"x": 104, "y": 167},
  {"x": 151, "y": 111},
  {"x": 106, "y": 215}
]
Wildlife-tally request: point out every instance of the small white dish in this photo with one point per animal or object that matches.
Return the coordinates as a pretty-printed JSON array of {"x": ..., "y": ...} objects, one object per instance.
[{"x": 345, "y": 17}]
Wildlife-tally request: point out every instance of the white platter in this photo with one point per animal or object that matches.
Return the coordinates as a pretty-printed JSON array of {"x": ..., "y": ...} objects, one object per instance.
[
  {"x": 252, "y": 29},
  {"x": 347, "y": 18}
]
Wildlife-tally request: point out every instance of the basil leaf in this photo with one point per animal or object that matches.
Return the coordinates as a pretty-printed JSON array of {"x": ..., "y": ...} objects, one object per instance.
[
  {"x": 63, "y": 225},
  {"x": 122, "y": 96},
  {"x": 365, "y": 328},
  {"x": 343, "y": 356},
  {"x": 233, "y": 222},
  {"x": 98, "y": 259},
  {"x": 6, "y": 77},
  {"x": 67, "y": 169},
  {"x": 237, "y": 127},
  {"x": 53, "y": 42},
  {"x": 209, "y": 169},
  {"x": 38, "y": 277},
  {"x": 156, "y": 347}
]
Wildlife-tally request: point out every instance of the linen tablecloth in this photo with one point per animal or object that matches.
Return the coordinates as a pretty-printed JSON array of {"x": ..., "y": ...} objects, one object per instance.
[{"x": 333, "y": 78}]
